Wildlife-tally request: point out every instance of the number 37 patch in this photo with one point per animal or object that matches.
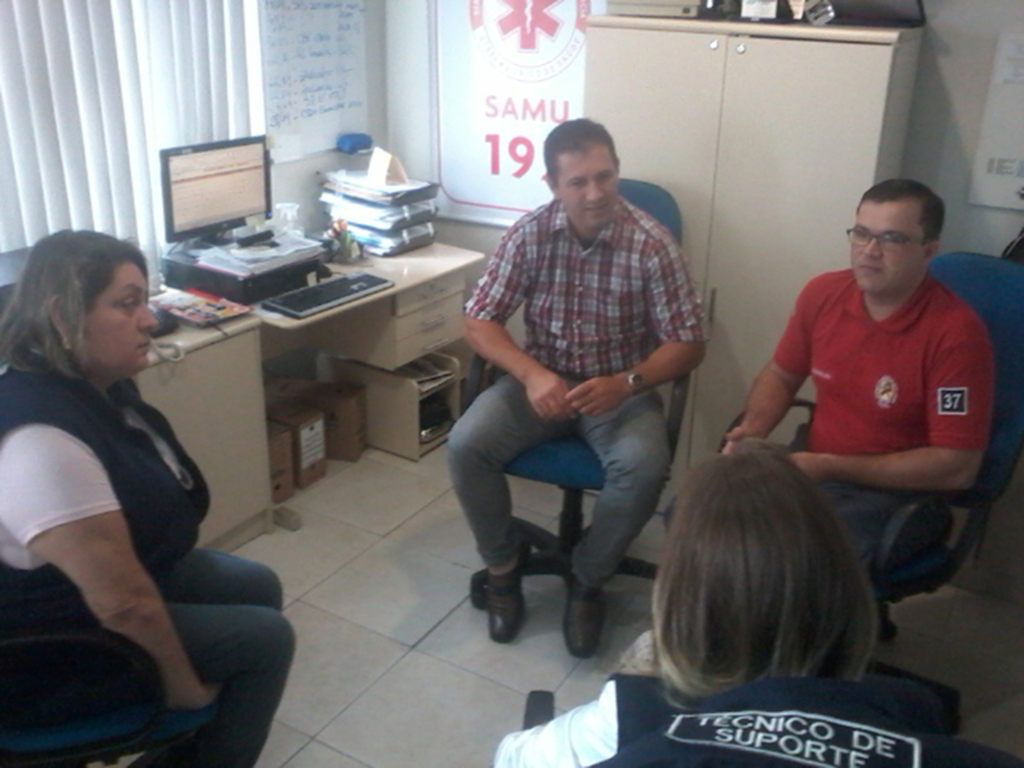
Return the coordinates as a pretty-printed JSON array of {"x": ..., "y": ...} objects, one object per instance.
[{"x": 953, "y": 401}]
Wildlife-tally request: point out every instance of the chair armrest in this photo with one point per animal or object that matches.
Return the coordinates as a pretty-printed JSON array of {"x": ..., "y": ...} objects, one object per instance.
[
  {"x": 540, "y": 708},
  {"x": 675, "y": 411},
  {"x": 799, "y": 442},
  {"x": 913, "y": 529},
  {"x": 81, "y": 671}
]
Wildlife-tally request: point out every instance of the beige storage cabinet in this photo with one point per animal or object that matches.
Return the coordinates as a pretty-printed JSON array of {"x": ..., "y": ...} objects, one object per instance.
[
  {"x": 766, "y": 135},
  {"x": 393, "y": 403},
  {"x": 214, "y": 400}
]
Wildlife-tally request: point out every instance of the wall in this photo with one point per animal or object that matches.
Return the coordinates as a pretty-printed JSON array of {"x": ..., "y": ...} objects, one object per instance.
[{"x": 949, "y": 100}]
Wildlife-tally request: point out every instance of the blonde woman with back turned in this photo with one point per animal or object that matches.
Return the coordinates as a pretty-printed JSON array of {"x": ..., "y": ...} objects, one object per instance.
[{"x": 763, "y": 627}]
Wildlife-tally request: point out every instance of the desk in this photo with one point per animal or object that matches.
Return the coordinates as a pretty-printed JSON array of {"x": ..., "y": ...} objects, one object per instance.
[
  {"x": 422, "y": 313},
  {"x": 214, "y": 396}
]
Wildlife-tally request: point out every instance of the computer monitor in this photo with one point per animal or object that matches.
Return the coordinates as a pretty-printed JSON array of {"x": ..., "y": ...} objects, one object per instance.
[{"x": 212, "y": 188}]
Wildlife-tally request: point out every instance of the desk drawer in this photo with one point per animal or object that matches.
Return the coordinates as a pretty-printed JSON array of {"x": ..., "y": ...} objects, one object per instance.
[
  {"x": 373, "y": 335},
  {"x": 426, "y": 293},
  {"x": 430, "y": 339},
  {"x": 428, "y": 317}
]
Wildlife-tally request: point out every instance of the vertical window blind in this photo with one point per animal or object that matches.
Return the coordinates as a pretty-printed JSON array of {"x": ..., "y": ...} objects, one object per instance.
[{"x": 91, "y": 90}]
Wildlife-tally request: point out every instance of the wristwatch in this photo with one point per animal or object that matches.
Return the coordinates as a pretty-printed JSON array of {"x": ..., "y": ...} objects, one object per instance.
[{"x": 635, "y": 381}]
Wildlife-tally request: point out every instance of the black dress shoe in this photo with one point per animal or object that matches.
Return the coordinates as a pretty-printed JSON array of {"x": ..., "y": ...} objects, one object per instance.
[
  {"x": 583, "y": 619},
  {"x": 505, "y": 606}
]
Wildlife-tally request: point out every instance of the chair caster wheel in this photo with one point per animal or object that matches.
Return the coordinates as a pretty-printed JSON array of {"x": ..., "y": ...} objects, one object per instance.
[{"x": 478, "y": 589}]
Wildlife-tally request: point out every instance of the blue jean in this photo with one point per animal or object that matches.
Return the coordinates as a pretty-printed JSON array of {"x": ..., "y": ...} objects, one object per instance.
[
  {"x": 631, "y": 443},
  {"x": 227, "y": 611}
]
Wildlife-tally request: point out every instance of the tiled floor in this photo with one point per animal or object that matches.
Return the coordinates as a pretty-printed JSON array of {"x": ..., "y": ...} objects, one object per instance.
[{"x": 394, "y": 668}]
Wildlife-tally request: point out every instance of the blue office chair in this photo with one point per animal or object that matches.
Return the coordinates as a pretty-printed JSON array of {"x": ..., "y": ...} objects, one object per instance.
[
  {"x": 569, "y": 462},
  {"x": 995, "y": 290},
  {"x": 104, "y": 700},
  {"x": 917, "y": 552}
]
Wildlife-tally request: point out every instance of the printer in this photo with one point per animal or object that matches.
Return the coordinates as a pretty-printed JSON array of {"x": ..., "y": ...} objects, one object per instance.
[{"x": 182, "y": 270}]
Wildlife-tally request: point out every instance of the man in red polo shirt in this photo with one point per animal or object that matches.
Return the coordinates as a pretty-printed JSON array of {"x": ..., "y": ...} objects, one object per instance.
[{"x": 902, "y": 369}]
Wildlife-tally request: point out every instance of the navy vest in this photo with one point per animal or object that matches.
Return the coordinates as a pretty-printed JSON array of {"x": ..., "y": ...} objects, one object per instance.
[
  {"x": 792, "y": 723},
  {"x": 163, "y": 517}
]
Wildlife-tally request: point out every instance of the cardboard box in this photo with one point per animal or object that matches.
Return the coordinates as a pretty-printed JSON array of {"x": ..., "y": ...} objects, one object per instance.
[
  {"x": 282, "y": 472},
  {"x": 344, "y": 407},
  {"x": 306, "y": 426},
  {"x": 277, "y": 391}
]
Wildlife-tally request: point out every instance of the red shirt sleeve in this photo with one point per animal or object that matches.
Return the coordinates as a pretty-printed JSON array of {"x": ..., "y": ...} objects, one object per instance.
[{"x": 960, "y": 385}]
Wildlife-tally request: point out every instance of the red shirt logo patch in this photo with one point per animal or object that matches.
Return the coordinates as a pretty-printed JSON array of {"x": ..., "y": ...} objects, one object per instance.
[
  {"x": 953, "y": 401},
  {"x": 886, "y": 391}
]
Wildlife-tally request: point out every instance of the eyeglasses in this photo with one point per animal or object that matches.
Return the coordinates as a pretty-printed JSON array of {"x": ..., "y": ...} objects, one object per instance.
[{"x": 862, "y": 238}]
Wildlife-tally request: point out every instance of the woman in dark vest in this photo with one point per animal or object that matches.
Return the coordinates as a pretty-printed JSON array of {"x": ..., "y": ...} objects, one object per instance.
[
  {"x": 101, "y": 506},
  {"x": 763, "y": 626}
]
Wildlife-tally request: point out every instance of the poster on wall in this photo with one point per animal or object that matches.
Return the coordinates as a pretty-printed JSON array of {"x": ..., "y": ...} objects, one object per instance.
[
  {"x": 998, "y": 177},
  {"x": 508, "y": 72}
]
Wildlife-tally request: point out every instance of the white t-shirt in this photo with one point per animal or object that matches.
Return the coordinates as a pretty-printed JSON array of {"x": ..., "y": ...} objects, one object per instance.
[
  {"x": 581, "y": 737},
  {"x": 49, "y": 478}
]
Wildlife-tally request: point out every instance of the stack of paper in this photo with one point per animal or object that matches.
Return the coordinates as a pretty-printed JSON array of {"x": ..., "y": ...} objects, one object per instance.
[
  {"x": 286, "y": 249},
  {"x": 426, "y": 373},
  {"x": 385, "y": 211}
]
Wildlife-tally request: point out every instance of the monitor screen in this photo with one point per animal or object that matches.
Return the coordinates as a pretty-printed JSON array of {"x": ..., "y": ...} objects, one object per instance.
[{"x": 211, "y": 188}]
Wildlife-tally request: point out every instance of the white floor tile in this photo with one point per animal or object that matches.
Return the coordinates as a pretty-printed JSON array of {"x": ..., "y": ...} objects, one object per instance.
[
  {"x": 371, "y": 495},
  {"x": 440, "y": 529},
  {"x": 400, "y": 593},
  {"x": 387, "y": 638},
  {"x": 317, "y": 755},
  {"x": 282, "y": 743},
  {"x": 425, "y": 712},
  {"x": 537, "y": 658},
  {"x": 433, "y": 465},
  {"x": 304, "y": 558},
  {"x": 335, "y": 662}
]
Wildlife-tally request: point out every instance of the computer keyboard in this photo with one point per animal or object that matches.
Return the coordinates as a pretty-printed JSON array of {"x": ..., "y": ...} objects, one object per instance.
[{"x": 307, "y": 301}]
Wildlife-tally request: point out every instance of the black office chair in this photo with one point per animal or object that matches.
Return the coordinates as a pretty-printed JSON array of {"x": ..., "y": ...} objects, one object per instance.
[
  {"x": 569, "y": 462},
  {"x": 103, "y": 700}
]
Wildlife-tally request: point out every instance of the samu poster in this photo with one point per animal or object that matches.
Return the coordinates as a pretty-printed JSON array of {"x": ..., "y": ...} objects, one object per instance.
[{"x": 508, "y": 71}]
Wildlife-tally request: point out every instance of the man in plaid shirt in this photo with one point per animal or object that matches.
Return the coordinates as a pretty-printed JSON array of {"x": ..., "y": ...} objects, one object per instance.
[{"x": 611, "y": 312}]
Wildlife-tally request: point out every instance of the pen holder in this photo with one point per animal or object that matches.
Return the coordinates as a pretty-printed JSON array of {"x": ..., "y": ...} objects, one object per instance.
[{"x": 348, "y": 250}]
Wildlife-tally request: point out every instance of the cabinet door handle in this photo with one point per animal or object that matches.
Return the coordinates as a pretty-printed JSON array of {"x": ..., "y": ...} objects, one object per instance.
[
  {"x": 713, "y": 45},
  {"x": 741, "y": 48},
  {"x": 711, "y": 306}
]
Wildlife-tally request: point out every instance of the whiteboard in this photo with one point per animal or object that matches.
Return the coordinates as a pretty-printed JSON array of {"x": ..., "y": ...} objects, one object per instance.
[{"x": 314, "y": 73}]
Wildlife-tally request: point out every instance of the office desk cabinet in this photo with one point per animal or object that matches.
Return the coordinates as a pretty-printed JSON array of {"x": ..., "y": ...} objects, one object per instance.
[
  {"x": 421, "y": 314},
  {"x": 767, "y": 135},
  {"x": 213, "y": 398},
  {"x": 384, "y": 331}
]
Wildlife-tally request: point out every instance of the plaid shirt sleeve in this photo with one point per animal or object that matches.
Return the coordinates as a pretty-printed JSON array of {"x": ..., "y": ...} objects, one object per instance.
[
  {"x": 675, "y": 308},
  {"x": 505, "y": 282}
]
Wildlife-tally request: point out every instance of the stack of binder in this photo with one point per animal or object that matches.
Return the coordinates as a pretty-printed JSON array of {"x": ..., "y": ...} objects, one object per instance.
[{"x": 387, "y": 218}]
